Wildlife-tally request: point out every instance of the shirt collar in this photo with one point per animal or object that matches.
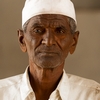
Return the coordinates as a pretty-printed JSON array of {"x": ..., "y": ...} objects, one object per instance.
[
  {"x": 25, "y": 87},
  {"x": 63, "y": 86}
]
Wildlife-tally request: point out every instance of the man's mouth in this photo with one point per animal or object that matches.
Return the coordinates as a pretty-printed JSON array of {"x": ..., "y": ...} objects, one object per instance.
[{"x": 49, "y": 53}]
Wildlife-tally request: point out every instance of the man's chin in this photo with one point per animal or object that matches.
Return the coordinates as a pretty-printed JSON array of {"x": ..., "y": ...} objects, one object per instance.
[
  {"x": 48, "y": 61},
  {"x": 48, "y": 65}
]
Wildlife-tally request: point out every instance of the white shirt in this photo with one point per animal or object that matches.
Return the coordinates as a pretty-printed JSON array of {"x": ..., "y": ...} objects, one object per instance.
[{"x": 70, "y": 87}]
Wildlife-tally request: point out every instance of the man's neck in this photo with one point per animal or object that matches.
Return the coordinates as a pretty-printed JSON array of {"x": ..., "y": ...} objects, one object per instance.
[{"x": 44, "y": 81}]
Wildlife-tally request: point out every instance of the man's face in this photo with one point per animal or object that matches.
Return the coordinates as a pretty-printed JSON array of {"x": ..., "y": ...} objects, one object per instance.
[{"x": 48, "y": 40}]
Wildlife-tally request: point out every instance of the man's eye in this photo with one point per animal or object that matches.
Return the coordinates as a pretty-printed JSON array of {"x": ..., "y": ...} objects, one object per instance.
[
  {"x": 60, "y": 30},
  {"x": 39, "y": 30}
]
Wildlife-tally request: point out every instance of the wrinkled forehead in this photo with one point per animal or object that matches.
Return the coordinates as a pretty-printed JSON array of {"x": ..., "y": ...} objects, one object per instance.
[{"x": 49, "y": 20}]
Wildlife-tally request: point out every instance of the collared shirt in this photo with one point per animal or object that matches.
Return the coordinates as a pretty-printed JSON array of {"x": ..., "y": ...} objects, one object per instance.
[{"x": 70, "y": 87}]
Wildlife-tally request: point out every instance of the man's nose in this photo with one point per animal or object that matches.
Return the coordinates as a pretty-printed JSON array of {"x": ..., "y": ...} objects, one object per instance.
[{"x": 49, "y": 38}]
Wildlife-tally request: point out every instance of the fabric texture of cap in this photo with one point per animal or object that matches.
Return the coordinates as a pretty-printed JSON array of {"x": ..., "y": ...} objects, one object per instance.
[{"x": 37, "y": 7}]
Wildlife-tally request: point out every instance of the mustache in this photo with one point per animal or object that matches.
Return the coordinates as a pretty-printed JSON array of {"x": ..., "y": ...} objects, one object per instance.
[{"x": 44, "y": 48}]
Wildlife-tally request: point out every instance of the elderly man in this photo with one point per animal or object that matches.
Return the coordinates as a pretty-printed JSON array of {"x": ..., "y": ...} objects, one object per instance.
[{"x": 48, "y": 35}]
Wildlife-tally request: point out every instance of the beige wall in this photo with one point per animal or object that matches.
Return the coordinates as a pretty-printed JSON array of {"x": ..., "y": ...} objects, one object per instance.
[{"x": 84, "y": 62}]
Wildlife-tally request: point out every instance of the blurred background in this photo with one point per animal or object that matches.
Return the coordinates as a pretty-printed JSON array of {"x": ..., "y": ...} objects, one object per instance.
[{"x": 85, "y": 62}]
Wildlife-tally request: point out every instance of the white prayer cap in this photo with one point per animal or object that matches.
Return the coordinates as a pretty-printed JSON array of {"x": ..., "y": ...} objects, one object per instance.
[{"x": 37, "y": 7}]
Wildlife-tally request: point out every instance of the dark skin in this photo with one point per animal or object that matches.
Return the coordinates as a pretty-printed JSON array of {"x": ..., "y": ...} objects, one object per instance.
[{"x": 48, "y": 41}]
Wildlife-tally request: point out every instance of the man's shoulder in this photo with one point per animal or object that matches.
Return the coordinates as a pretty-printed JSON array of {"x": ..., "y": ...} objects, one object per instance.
[
  {"x": 10, "y": 81},
  {"x": 83, "y": 82}
]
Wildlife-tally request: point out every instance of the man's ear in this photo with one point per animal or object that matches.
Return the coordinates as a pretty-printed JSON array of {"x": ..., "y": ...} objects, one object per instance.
[
  {"x": 74, "y": 43},
  {"x": 21, "y": 40}
]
